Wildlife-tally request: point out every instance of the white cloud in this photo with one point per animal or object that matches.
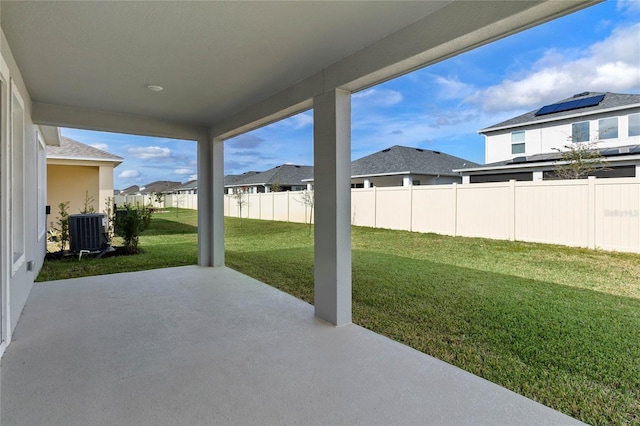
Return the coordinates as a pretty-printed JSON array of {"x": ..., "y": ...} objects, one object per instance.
[
  {"x": 612, "y": 65},
  {"x": 193, "y": 177},
  {"x": 183, "y": 171},
  {"x": 149, "y": 152},
  {"x": 378, "y": 97},
  {"x": 632, "y": 6},
  {"x": 129, "y": 174},
  {"x": 302, "y": 120},
  {"x": 452, "y": 88},
  {"x": 101, "y": 146}
]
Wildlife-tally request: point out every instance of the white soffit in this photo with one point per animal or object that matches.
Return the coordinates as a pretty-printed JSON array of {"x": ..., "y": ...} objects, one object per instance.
[{"x": 232, "y": 64}]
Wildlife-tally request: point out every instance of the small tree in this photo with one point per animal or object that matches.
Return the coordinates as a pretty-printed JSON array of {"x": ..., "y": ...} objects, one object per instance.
[
  {"x": 276, "y": 187},
  {"x": 110, "y": 213},
  {"x": 578, "y": 160},
  {"x": 239, "y": 195},
  {"x": 130, "y": 223},
  {"x": 158, "y": 197},
  {"x": 88, "y": 203},
  {"x": 63, "y": 224},
  {"x": 308, "y": 200}
]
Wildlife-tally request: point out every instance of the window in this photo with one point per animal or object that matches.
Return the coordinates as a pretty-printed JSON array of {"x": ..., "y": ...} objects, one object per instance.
[
  {"x": 634, "y": 125},
  {"x": 608, "y": 128},
  {"x": 580, "y": 132},
  {"x": 517, "y": 142}
]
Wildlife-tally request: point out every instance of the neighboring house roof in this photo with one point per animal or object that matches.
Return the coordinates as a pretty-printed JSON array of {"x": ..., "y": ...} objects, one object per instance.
[
  {"x": 161, "y": 186},
  {"x": 406, "y": 160},
  {"x": 284, "y": 175},
  {"x": 231, "y": 179},
  {"x": 70, "y": 149},
  {"x": 610, "y": 101},
  {"x": 619, "y": 153},
  {"x": 192, "y": 184},
  {"x": 131, "y": 190}
]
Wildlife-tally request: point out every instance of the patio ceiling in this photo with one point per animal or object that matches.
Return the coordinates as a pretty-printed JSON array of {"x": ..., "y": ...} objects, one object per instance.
[{"x": 234, "y": 65}]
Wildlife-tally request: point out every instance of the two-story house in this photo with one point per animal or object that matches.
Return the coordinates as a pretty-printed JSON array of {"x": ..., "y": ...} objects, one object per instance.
[{"x": 525, "y": 147}]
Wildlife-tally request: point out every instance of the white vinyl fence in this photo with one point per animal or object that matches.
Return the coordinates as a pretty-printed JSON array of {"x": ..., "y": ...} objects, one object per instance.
[{"x": 593, "y": 213}]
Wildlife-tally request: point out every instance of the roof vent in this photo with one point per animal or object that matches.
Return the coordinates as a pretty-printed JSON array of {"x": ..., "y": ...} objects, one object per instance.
[
  {"x": 297, "y": 167},
  {"x": 519, "y": 160},
  {"x": 420, "y": 149},
  {"x": 386, "y": 150},
  {"x": 577, "y": 95},
  {"x": 437, "y": 152},
  {"x": 277, "y": 167}
]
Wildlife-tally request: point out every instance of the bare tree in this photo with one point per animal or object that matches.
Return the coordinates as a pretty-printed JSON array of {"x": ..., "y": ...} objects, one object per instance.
[
  {"x": 578, "y": 160},
  {"x": 239, "y": 195},
  {"x": 307, "y": 199}
]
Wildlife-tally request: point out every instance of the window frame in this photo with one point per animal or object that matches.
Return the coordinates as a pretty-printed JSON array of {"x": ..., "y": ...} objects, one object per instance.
[
  {"x": 518, "y": 142},
  {"x": 636, "y": 116},
  {"x": 602, "y": 132},
  {"x": 575, "y": 126}
]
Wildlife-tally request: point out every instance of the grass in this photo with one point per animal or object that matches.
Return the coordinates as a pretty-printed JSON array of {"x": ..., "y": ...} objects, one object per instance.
[{"x": 559, "y": 325}]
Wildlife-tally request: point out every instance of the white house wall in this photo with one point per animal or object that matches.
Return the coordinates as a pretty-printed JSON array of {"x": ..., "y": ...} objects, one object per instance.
[
  {"x": 18, "y": 277},
  {"x": 545, "y": 137}
]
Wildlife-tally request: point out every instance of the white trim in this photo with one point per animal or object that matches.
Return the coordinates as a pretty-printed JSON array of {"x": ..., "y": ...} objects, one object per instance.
[
  {"x": 41, "y": 192},
  {"x": 17, "y": 262},
  {"x": 5, "y": 311},
  {"x": 64, "y": 157}
]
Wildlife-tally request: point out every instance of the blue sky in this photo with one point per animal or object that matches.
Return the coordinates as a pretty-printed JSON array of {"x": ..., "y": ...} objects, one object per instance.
[{"x": 440, "y": 107}]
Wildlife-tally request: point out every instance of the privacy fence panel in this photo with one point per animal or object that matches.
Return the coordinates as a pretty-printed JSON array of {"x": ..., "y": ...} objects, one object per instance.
[
  {"x": 485, "y": 210},
  {"x": 617, "y": 215},
  {"x": 554, "y": 212},
  {"x": 595, "y": 213},
  {"x": 434, "y": 209},
  {"x": 393, "y": 208}
]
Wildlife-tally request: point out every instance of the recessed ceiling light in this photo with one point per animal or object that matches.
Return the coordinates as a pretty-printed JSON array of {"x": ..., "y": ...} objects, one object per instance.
[{"x": 154, "y": 87}]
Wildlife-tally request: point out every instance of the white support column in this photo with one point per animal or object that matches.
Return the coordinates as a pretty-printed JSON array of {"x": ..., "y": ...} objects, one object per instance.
[
  {"x": 367, "y": 183},
  {"x": 466, "y": 179},
  {"x": 407, "y": 180},
  {"x": 210, "y": 202},
  {"x": 332, "y": 179},
  {"x": 538, "y": 175}
]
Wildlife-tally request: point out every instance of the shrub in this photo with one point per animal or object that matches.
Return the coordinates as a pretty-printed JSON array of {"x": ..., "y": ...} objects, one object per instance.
[{"x": 130, "y": 223}]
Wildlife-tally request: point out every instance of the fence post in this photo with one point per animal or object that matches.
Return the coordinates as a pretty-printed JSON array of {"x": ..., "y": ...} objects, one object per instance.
[
  {"x": 454, "y": 189},
  {"x": 411, "y": 207},
  {"x": 512, "y": 210},
  {"x": 375, "y": 207},
  {"x": 591, "y": 203}
]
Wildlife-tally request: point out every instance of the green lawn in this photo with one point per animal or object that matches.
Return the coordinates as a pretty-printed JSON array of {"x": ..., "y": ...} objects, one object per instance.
[{"x": 559, "y": 325}]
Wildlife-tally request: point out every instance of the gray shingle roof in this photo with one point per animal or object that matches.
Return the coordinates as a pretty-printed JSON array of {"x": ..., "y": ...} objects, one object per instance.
[
  {"x": 159, "y": 186},
  {"x": 611, "y": 100},
  {"x": 231, "y": 179},
  {"x": 74, "y": 150},
  {"x": 192, "y": 184},
  {"x": 285, "y": 175},
  {"x": 402, "y": 159},
  {"x": 131, "y": 190}
]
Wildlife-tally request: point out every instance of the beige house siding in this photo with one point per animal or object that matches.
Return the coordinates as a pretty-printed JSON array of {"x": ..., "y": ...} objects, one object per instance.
[{"x": 69, "y": 182}]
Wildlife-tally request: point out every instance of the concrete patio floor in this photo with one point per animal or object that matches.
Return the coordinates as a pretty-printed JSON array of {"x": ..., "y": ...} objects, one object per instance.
[{"x": 195, "y": 345}]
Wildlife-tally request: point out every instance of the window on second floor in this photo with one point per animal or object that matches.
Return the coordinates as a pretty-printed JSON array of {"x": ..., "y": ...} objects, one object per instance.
[
  {"x": 517, "y": 142},
  {"x": 580, "y": 131},
  {"x": 634, "y": 125},
  {"x": 608, "y": 128}
]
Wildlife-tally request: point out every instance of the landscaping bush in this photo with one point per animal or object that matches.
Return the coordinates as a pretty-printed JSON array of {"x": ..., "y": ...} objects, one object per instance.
[{"x": 130, "y": 223}]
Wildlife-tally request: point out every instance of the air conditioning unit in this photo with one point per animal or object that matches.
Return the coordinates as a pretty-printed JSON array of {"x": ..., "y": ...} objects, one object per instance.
[{"x": 88, "y": 232}]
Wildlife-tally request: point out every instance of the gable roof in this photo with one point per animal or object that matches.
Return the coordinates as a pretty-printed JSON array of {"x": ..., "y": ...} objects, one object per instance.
[
  {"x": 70, "y": 149},
  {"x": 231, "y": 179},
  {"x": 131, "y": 190},
  {"x": 285, "y": 175},
  {"x": 610, "y": 101},
  {"x": 159, "y": 186},
  {"x": 406, "y": 160},
  {"x": 192, "y": 184}
]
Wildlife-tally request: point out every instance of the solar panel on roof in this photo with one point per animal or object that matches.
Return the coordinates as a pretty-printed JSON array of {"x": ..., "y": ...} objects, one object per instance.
[{"x": 569, "y": 105}]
